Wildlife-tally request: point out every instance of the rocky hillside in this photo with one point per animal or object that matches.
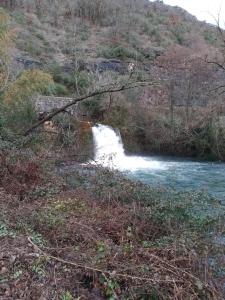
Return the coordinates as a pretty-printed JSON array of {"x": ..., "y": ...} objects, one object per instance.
[{"x": 129, "y": 30}]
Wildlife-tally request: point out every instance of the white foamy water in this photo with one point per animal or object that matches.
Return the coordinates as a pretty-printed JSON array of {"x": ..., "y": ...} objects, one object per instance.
[{"x": 109, "y": 152}]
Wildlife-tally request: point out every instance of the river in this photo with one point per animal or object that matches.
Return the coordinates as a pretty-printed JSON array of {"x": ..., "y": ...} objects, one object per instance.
[{"x": 175, "y": 173}]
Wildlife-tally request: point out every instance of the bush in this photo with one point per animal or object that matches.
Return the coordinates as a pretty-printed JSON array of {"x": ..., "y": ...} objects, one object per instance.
[
  {"x": 18, "y": 174},
  {"x": 69, "y": 81},
  {"x": 21, "y": 116},
  {"x": 93, "y": 106},
  {"x": 18, "y": 105},
  {"x": 32, "y": 49},
  {"x": 28, "y": 84},
  {"x": 120, "y": 52},
  {"x": 210, "y": 37},
  {"x": 60, "y": 90}
]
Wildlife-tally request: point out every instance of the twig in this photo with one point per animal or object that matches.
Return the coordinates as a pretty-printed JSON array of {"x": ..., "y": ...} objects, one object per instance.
[
  {"x": 215, "y": 63},
  {"x": 174, "y": 267}
]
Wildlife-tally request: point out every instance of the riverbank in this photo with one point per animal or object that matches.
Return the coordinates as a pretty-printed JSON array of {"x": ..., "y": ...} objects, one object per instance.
[{"x": 92, "y": 234}]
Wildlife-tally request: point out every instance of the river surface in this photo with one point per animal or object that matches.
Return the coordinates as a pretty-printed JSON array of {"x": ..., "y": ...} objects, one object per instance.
[
  {"x": 185, "y": 175},
  {"x": 180, "y": 174}
]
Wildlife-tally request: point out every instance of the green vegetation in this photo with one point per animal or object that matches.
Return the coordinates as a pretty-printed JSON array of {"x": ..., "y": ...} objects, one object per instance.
[
  {"x": 83, "y": 232},
  {"x": 119, "y": 52},
  {"x": 18, "y": 111},
  {"x": 29, "y": 83},
  {"x": 210, "y": 37}
]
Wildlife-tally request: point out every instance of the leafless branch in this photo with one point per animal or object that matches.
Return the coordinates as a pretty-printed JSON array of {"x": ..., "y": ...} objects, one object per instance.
[
  {"x": 217, "y": 88},
  {"x": 85, "y": 97}
]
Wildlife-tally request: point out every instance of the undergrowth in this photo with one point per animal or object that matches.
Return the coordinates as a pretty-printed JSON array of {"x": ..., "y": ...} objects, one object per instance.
[{"x": 94, "y": 234}]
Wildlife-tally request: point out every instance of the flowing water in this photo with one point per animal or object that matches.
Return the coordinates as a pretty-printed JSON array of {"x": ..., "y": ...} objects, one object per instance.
[{"x": 181, "y": 174}]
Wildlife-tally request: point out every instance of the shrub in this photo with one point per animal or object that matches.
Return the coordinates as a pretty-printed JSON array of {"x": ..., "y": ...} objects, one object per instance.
[
  {"x": 73, "y": 80},
  {"x": 19, "y": 17},
  {"x": 120, "y": 52},
  {"x": 18, "y": 105},
  {"x": 210, "y": 37},
  {"x": 56, "y": 72},
  {"x": 60, "y": 90},
  {"x": 28, "y": 84},
  {"x": 18, "y": 174},
  {"x": 20, "y": 116},
  {"x": 32, "y": 49},
  {"x": 93, "y": 106}
]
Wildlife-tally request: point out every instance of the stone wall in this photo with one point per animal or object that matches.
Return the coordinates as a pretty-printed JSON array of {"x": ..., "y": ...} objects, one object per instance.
[{"x": 47, "y": 104}]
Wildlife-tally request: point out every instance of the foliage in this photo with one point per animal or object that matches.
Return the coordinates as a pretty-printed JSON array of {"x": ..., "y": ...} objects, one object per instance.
[
  {"x": 4, "y": 231},
  {"x": 18, "y": 117},
  {"x": 60, "y": 90},
  {"x": 32, "y": 48},
  {"x": 93, "y": 106},
  {"x": 66, "y": 296},
  {"x": 5, "y": 37},
  {"x": 28, "y": 84},
  {"x": 120, "y": 52},
  {"x": 158, "y": 239},
  {"x": 18, "y": 103},
  {"x": 69, "y": 82},
  {"x": 210, "y": 37}
]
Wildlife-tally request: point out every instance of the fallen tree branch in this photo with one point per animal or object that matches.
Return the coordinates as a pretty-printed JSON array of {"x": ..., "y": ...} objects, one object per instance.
[
  {"x": 82, "y": 98},
  {"x": 113, "y": 273}
]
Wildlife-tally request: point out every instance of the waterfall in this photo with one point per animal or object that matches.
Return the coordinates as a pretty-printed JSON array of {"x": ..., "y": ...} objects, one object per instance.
[
  {"x": 108, "y": 144},
  {"x": 109, "y": 151}
]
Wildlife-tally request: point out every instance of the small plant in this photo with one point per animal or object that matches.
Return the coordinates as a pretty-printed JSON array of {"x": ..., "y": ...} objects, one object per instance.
[
  {"x": 38, "y": 266},
  {"x": 40, "y": 36},
  {"x": 111, "y": 286},
  {"x": 4, "y": 231},
  {"x": 128, "y": 248},
  {"x": 17, "y": 274},
  {"x": 39, "y": 271},
  {"x": 101, "y": 250},
  {"x": 38, "y": 239},
  {"x": 43, "y": 191},
  {"x": 66, "y": 296}
]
